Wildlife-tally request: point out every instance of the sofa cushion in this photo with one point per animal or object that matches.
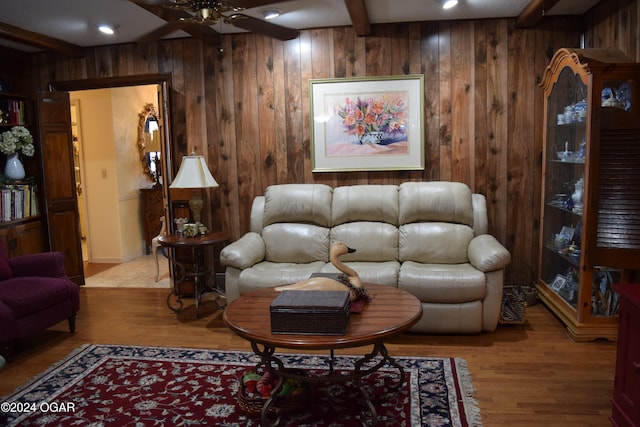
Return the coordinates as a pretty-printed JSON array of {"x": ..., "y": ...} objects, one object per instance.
[
  {"x": 373, "y": 241},
  {"x": 435, "y": 242},
  {"x": 435, "y": 201},
  {"x": 380, "y": 273},
  {"x": 377, "y": 203},
  {"x": 267, "y": 274},
  {"x": 442, "y": 283},
  {"x": 304, "y": 203},
  {"x": 27, "y": 295},
  {"x": 297, "y": 243}
]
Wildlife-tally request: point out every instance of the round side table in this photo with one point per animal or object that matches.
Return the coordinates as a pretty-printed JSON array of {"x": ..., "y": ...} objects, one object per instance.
[{"x": 199, "y": 271}]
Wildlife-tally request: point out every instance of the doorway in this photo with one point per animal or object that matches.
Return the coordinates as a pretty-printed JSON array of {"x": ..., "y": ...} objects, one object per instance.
[
  {"x": 93, "y": 173},
  {"x": 109, "y": 171}
]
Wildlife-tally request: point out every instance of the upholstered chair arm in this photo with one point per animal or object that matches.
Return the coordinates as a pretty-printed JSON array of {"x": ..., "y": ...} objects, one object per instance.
[
  {"x": 487, "y": 254},
  {"x": 44, "y": 264},
  {"x": 244, "y": 252}
]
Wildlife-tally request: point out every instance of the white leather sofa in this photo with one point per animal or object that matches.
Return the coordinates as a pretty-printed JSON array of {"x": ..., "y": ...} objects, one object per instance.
[{"x": 428, "y": 238}]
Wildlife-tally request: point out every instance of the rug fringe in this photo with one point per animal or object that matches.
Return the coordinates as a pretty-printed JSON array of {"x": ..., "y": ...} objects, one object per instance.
[
  {"x": 470, "y": 403},
  {"x": 49, "y": 369}
]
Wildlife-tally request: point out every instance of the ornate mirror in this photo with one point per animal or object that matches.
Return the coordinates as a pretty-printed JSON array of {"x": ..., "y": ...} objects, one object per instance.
[{"x": 149, "y": 142}]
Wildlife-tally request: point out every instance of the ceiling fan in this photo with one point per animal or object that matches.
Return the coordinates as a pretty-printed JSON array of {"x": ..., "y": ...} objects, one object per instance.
[{"x": 197, "y": 17}]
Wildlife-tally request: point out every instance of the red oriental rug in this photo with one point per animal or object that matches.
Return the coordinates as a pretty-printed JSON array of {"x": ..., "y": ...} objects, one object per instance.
[{"x": 108, "y": 385}]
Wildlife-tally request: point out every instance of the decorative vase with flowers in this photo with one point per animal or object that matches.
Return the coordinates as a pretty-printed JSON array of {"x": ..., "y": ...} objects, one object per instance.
[
  {"x": 16, "y": 141},
  {"x": 370, "y": 119}
]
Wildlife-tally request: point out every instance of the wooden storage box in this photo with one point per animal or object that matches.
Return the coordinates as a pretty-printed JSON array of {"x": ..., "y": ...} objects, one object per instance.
[{"x": 310, "y": 312}]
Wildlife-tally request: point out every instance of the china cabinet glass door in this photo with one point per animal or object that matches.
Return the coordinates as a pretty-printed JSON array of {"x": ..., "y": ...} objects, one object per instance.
[
  {"x": 590, "y": 222},
  {"x": 564, "y": 185}
]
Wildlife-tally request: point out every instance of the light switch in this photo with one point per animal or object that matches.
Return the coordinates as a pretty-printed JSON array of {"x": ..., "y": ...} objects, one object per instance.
[{"x": 104, "y": 174}]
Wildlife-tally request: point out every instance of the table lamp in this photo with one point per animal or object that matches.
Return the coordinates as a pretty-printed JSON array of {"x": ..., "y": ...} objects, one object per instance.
[{"x": 194, "y": 173}]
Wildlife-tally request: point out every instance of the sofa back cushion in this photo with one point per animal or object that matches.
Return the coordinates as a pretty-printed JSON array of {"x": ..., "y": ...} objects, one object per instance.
[
  {"x": 439, "y": 201},
  {"x": 365, "y": 218},
  {"x": 298, "y": 203},
  {"x": 296, "y": 243},
  {"x": 373, "y": 241},
  {"x": 435, "y": 242},
  {"x": 377, "y": 203}
]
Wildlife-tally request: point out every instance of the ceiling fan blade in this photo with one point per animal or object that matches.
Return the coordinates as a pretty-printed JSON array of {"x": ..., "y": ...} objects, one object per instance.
[
  {"x": 171, "y": 15},
  {"x": 248, "y": 4},
  {"x": 259, "y": 26}
]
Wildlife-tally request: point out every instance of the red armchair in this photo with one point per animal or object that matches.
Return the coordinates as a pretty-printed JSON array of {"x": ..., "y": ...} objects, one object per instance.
[{"x": 35, "y": 294}]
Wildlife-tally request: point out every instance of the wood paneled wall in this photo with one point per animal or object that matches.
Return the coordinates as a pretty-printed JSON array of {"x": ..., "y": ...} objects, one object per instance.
[{"x": 246, "y": 105}]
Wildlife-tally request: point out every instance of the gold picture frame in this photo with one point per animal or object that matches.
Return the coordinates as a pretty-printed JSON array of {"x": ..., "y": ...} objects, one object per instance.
[{"x": 367, "y": 123}]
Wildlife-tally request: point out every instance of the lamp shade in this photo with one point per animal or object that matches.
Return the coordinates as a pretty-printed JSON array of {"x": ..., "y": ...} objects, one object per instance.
[{"x": 193, "y": 173}]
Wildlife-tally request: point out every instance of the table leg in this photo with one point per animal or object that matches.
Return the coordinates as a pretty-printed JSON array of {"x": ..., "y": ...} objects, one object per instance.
[
  {"x": 198, "y": 274},
  {"x": 368, "y": 364},
  {"x": 267, "y": 359},
  {"x": 179, "y": 273},
  {"x": 363, "y": 367}
]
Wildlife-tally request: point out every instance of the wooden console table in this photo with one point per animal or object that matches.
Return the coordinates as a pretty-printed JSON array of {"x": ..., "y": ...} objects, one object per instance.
[
  {"x": 152, "y": 209},
  {"x": 199, "y": 271}
]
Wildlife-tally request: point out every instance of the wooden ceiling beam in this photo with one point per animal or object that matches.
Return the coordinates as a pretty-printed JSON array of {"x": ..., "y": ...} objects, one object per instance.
[
  {"x": 359, "y": 17},
  {"x": 533, "y": 12},
  {"x": 29, "y": 38}
]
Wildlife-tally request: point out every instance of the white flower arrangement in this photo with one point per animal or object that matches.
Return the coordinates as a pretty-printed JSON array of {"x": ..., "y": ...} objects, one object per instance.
[{"x": 17, "y": 140}]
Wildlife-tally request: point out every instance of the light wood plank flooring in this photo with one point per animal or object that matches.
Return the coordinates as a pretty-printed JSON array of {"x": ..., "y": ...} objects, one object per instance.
[{"x": 524, "y": 376}]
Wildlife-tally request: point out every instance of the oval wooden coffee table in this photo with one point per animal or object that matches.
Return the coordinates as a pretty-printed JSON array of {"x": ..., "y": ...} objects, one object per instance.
[{"x": 391, "y": 312}]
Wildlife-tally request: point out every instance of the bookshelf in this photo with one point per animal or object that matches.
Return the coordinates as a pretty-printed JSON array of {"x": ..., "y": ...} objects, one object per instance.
[{"x": 20, "y": 210}]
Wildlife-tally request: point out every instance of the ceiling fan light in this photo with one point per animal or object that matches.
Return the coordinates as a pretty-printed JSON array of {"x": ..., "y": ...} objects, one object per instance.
[
  {"x": 106, "y": 29},
  {"x": 270, "y": 13},
  {"x": 448, "y": 4}
]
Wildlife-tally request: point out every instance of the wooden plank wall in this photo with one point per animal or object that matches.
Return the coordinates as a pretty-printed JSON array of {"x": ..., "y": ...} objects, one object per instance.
[{"x": 246, "y": 105}]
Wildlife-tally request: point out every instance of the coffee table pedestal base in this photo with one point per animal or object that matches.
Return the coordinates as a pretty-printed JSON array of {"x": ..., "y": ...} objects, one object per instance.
[{"x": 368, "y": 364}]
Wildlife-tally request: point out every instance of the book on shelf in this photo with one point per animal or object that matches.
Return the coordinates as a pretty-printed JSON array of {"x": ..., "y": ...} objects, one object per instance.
[
  {"x": 12, "y": 111},
  {"x": 18, "y": 200}
]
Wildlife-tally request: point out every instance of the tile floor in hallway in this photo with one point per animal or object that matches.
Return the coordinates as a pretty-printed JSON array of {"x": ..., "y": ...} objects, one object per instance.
[{"x": 137, "y": 273}]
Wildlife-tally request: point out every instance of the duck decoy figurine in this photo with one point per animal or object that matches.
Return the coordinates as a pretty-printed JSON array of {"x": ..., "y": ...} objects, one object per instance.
[{"x": 349, "y": 278}]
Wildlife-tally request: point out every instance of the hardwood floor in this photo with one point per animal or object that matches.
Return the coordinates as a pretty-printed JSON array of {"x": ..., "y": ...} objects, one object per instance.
[
  {"x": 92, "y": 268},
  {"x": 524, "y": 376}
]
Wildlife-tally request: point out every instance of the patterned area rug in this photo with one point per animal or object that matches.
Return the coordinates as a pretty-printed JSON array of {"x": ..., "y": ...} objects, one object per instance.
[{"x": 106, "y": 385}]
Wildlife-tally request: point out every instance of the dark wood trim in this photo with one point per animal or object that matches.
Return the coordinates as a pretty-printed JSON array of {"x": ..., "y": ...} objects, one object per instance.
[
  {"x": 533, "y": 12},
  {"x": 359, "y": 17},
  {"x": 20, "y": 35},
  {"x": 108, "y": 82}
]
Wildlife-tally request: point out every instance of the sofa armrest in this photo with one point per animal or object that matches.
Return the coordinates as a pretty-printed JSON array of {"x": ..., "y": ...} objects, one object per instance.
[
  {"x": 43, "y": 264},
  {"x": 487, "y": 254},
  {"x": 244, "y": 252}
]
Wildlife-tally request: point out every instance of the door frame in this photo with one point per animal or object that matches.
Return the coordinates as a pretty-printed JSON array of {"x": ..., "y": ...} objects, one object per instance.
[{"x": 163, "y": 80}]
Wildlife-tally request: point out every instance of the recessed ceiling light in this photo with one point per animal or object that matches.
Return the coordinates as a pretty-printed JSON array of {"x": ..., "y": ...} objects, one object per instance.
[
  {"x": 106, "y": 29},
  {"x": 270, "y": 13},
  {"x": 448, "y": 4}
]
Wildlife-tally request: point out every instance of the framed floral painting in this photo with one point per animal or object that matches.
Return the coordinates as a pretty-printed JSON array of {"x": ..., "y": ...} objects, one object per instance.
[{"x": 367, "y": 124}]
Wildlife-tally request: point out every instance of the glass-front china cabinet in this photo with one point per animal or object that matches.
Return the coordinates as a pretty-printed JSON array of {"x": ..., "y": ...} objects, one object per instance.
[{"x": 590, "y": 215}]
